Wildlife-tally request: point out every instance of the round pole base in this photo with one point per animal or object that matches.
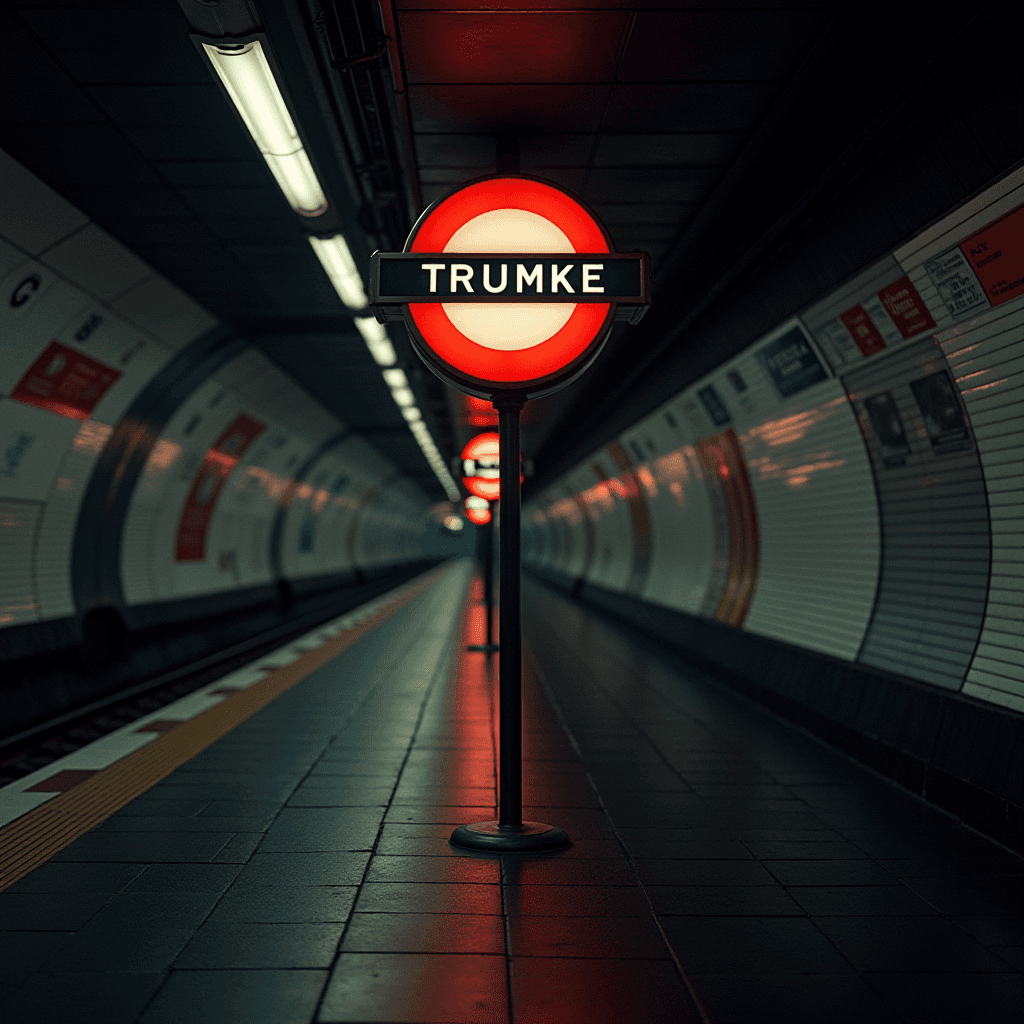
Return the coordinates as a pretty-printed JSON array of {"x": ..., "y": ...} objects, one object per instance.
[{"x": 531, "y": 838}]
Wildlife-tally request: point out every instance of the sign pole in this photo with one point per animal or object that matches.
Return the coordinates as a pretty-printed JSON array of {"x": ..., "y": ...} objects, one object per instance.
[
  {"x": 509, "y": 834},
  {"x": 510, "y": 629},
  {"x": 457, "y": 253},
  {"x": 488, "y": 529}
]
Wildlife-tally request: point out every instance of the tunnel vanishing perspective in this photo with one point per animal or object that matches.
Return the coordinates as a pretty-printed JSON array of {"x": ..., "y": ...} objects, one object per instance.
[{"x": 773, "y": 595}]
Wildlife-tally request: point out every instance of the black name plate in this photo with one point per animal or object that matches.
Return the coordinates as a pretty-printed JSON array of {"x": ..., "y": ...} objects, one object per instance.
[{"x": 398, "y": 278}]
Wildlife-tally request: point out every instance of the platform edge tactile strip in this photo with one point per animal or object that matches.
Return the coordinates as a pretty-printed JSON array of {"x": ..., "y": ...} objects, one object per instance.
[{"x": 40, "y": 834}]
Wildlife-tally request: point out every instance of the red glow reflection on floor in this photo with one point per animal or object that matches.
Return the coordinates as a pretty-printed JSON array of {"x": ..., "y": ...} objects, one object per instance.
[{"x": 474, "y": 702}]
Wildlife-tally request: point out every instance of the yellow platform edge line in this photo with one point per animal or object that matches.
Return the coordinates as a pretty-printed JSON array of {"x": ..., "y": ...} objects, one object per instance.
[{"x": 34, "y": 838}]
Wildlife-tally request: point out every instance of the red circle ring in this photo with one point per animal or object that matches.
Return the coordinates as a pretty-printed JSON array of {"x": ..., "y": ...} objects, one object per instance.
[{"x": 552, "y": 362}]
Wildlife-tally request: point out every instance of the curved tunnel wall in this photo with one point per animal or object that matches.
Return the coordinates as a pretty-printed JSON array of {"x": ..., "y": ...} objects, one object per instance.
[
  {"x": 151, "y": 462},
  {"x": 847, "y": 491}
]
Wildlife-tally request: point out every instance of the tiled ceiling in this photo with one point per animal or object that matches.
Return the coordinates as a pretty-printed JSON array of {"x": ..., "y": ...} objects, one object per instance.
[
  {"x": 692, "y": 129},
  {"x": 637, "y": 110}
]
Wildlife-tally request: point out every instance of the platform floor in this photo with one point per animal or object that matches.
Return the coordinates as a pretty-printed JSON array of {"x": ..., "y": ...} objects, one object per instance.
[{"x": 725, "y": 867}]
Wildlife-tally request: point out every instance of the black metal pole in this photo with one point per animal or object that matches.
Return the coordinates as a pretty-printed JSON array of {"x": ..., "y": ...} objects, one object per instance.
[
  {"x": 510, "y": 630},
  {"x": 489, "y": 580},
  {"x": 509, "y": 834}
]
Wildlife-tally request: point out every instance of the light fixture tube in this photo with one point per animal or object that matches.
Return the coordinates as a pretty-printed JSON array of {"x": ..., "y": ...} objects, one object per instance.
[
  {"x": 335, "y": 257},
  {"x": 377, "y": 341},
  {"x": 250, "y": 83}
]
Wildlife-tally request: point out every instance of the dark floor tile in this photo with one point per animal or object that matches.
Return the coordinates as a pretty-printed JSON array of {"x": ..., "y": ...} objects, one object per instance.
[
  {"x": 777, "y": 945},
  {"x": 428, "y": 898},
  {"x": 408, "y": 988},
  {"x": 705, "y": 849},
  {"x": 340, "y": 798},
  {"x": 861, "y": 901},
  {"x": 702, "y": 872},
  {"x": 788, "y": 835},
  {"x": 77, "y": 878},
  {"x": 575, "y": 900},
  {"x": 1012, "y": 955},
  {"x": 425, "y": 933},
  {"x": 783, "y": 850},
  {"x": 482, "y": 868},
  {"x": 436, "y": 796},
  {"x": 261, "y": 946},
  {"x": 788, "y": 999},
  {"x": 615, "y": 938},
  {"x": 276, "y": 793},
  {"x": 995, "y": 930},
  {"x": 309, "y": 829},
  {"x": 596, "y": 991},
  {"x": 910, "y": 944},
  {"x": 159, "y": 909},
  {"x": 48, "y": 912},
  {"x": 93, "y": 998},
  {"x": 347, "y": 783},
  {"x": 951, "y": 997},
  {"x": 299, "y": 904},
  {"x": 723, "y": 901},
  {"x": 195, "y": 823},
  {"x": 145, "y": 847},
  {"x": 239, "y": 848},
  {"x": 264, "y": 810},
  {"x": 22, "y": 952},
  {"x": 137, "y": 948},
  {"x": 156, "y": 804},
  {"x": 412, "y": 814},
  {"x": 829, "y": 872},
  {"x": 555, "y": 870},
  {"x": 185, "y": 878},
  {"x": 578, "y": 822},
  {"x": 226, "y": 997},
  {"x": 303, "y": 869},
  {"x": 962, "y": 900}
]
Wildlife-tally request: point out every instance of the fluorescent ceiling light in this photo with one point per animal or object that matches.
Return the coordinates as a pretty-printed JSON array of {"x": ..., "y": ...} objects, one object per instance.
[
  {"x": 395, "y": 379},
  {"x": 335, "y": 257},
  {"x": 250, "y": 84},
  {"x": 403, "y": 396},
  {"x": 410, "y": 412},
  {"x": 377, "y": 340}
]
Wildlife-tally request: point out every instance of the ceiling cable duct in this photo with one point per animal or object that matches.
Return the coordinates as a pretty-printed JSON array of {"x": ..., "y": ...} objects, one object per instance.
[
  {"x": 249, "y": 81},
  {"x": 336, "y": 258}
]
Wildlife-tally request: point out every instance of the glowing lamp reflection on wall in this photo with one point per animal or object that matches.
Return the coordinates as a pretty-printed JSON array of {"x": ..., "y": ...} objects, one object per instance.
[{"x": 478, "y": 510}]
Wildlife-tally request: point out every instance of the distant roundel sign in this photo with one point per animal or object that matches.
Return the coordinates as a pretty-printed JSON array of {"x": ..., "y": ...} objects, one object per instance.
[{"x": 509, "y": 284}]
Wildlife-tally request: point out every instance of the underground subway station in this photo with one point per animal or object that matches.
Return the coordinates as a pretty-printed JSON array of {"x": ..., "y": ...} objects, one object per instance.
[{"x": 511, "y": 512}]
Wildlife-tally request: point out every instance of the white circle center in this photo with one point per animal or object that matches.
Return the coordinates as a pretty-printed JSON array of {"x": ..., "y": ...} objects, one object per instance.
[{"x": 506, "y": 326}]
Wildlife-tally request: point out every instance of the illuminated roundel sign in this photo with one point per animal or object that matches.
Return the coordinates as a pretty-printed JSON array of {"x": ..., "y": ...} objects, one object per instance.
[
  {"x": 478, "y": 510},
  {"x": 509, "y": 284},
  {"x": 481, "y": 466}
]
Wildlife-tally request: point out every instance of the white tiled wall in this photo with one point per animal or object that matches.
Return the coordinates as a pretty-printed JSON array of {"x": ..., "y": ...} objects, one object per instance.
[
  {"x": 818, "y": 519},
  {"x": 90, "y": 294}
]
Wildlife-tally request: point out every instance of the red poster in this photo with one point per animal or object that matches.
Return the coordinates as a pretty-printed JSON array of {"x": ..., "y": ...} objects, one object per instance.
[
  {"x": 65, "y": 382},
  {"x": 210, "y": 478},
  {"x": 997, "y": 255},
  {"x": 863, "y": 330},
  {"x": 906, "y": 308}
]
